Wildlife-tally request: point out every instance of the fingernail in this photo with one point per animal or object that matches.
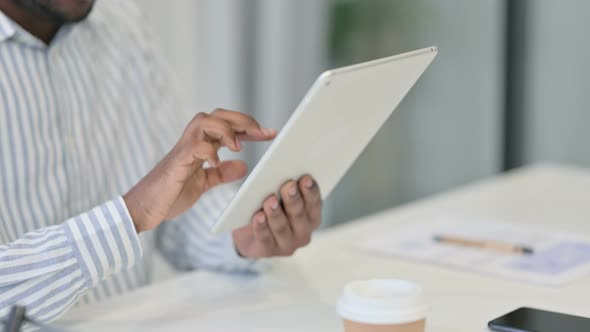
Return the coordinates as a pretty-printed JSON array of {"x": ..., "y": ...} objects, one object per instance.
[
  {"x": 292, "y": 191},
  {"x": 309, "y": 183},
  {"x": 261, "y": 219},
  {"x": 275, "y": 205},
  {"x": 268, "y": 131},
  {"x": 238, "y": 144}
]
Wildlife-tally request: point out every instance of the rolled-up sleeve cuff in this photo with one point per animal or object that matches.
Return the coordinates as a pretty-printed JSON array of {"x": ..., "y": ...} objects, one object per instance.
[
  {"x": 235, "y": 262},
  {"x": 104, "y": 240}
]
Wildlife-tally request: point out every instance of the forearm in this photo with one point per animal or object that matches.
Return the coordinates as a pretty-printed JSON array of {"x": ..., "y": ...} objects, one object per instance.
[{"x": 49, "y": 269}]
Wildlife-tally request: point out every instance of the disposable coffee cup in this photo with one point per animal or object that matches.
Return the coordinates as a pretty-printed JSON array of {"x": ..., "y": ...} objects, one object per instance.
[{"x": 383, "y": 305}]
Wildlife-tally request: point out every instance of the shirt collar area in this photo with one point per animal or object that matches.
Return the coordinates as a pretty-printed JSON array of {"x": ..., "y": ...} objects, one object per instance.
[
  {"x": 11, "y": 30},
  {"x": 7, "y": 27}
]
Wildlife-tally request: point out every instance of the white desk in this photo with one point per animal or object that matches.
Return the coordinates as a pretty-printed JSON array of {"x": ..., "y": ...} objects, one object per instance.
[{"x": 299, "y": 294}]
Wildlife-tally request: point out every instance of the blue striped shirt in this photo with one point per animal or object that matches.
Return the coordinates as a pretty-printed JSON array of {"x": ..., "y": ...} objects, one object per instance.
[{"x": 81, "y": 121}]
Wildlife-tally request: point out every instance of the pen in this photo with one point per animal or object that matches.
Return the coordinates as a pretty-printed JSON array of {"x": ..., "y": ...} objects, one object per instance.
[{"x": 485, "y": 244}]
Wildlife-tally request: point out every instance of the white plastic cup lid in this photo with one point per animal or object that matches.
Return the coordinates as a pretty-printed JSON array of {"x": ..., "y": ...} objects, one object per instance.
[{"x": 383, "y": 301}]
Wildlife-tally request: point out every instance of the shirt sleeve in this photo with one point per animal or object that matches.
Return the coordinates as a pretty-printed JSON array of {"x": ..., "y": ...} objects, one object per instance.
[
  {"x": 47, "y": 270},
  {"x": 187, "y": 243}
]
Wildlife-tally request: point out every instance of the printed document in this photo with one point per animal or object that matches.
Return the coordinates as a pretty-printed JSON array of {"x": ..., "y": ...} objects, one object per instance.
[{"x": 558, "y": 257}]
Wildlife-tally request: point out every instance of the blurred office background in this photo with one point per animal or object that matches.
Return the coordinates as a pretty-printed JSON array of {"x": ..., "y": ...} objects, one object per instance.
[{"x": 508, "y": 88}]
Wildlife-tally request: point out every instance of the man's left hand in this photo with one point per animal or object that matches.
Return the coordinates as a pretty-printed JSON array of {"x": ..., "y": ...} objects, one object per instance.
[{"x": 280, "y": 228}]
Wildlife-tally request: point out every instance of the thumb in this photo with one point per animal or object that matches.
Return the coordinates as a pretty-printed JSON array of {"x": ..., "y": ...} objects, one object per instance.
[{"x": 227, "y": 171}]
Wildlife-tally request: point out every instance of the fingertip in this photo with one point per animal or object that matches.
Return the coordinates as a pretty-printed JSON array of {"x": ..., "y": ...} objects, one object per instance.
[
  {"x": 259, "y": 219},
  {"x": 269, "y": 132},
  {"x": 232, "y": 146},
  {"x": 271, "y": 203},
  {"x": 233, "y": 170},
  {"x": 256, "y": 134},
  {"x": 289, "y": 189},
  {"x": 241, "y": 168},
  {"x": 307, "y": 182}
]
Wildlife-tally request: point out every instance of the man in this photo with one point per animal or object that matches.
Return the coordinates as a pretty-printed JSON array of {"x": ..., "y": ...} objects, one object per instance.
[{"x": 85, "y": 111}]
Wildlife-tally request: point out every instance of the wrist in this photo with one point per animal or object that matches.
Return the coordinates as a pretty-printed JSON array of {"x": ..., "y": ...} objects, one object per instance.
[{"x": 140, "y": 215}]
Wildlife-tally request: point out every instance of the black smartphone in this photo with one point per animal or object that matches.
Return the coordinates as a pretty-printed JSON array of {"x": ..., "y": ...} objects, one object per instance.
[{"x": 535, "y": 320}]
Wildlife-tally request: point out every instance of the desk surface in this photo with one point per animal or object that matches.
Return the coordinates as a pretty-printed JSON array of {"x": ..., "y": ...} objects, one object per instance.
[{"x": 299, "y": 294}]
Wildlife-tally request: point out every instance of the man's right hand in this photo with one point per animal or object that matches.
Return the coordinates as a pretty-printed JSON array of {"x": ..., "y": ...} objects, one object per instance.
[{"x": 179, "y": 179}]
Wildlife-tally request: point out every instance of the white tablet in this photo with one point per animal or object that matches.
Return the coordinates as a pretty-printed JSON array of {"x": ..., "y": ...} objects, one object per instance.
[{"x": 332, "y": 125}]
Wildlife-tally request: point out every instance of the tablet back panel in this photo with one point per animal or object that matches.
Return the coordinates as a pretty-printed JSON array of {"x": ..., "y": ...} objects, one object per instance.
[{"x": 332, "y": 125}]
